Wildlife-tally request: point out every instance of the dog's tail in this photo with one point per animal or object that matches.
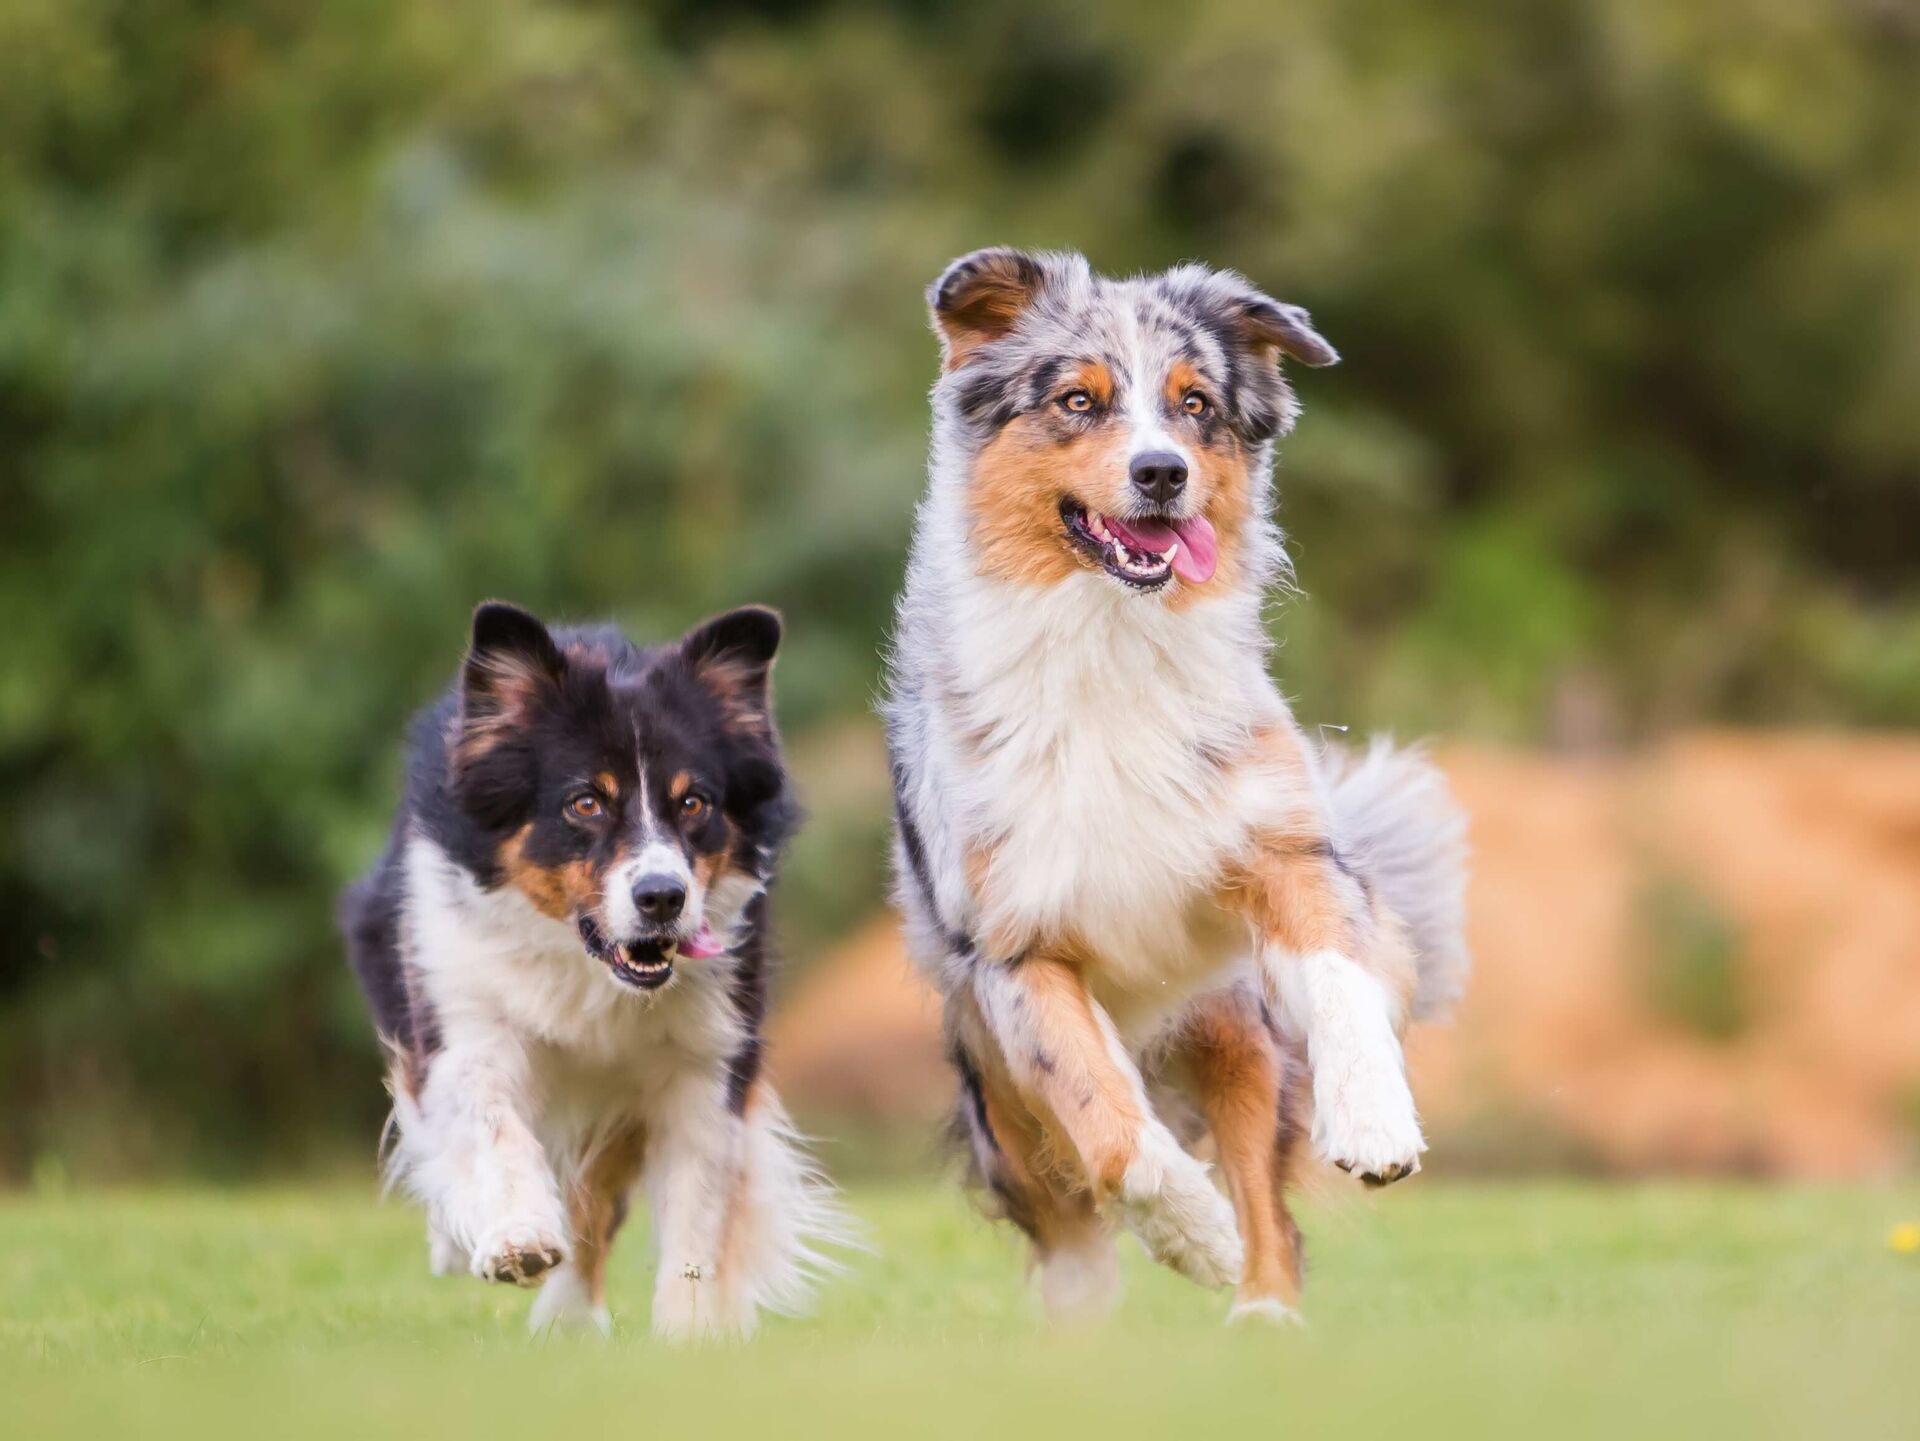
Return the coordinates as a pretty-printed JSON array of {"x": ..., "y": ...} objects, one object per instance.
[
  {"x": 789, "y": 1224},
  {"x": 1396, "y": 820}
]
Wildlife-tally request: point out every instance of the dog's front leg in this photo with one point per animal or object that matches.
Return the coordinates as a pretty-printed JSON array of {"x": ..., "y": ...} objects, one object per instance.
[
  {"x": 476, "y": 1162},
  {"x": 1063, "y": 1057},
  {"x": 693, "y": 1159},
  {"x": 1337, "y": 966}
]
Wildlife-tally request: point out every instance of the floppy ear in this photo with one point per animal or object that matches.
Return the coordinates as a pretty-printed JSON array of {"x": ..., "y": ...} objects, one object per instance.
[
  {"x": 979, "y": 297},
  {"x": 732, "y": 655},
  {"x": 1265, "y": 322},
  {"x": 511, "y": 661}
]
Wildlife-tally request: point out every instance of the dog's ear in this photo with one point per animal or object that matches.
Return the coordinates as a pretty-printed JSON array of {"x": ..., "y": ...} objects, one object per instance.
[
  {"x": 1268, "y": 323},
  {"x": 1261, "y": 330},
  {"x": 732, "y": 656},
  {"x": 511, "y": 663},
  {"x": 978, "y": 298},
  {"x": 511, "y": 654}
]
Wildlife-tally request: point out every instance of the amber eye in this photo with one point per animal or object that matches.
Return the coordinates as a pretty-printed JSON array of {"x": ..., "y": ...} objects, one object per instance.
[
  {"x": 1078, "y": 401},
  {"x": 586, "y": 806},
  {"x": 1194, "y": 403},
  {"x": 693, "y": 806}
]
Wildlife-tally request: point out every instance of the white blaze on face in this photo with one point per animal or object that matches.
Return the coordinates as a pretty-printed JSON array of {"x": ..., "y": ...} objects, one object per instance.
[
  {"x": 1145, "y": 403},
  {"x": 660, "y": 854}
]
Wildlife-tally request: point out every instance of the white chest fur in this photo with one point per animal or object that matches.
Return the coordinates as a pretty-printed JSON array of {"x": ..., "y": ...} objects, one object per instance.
[{"x": 1092, "y": 737}]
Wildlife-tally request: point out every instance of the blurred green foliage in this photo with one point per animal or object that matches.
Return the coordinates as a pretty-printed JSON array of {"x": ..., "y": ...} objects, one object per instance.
[
  {"x": 320, "y": 322},
  {"x": 1691, "y": 974}
]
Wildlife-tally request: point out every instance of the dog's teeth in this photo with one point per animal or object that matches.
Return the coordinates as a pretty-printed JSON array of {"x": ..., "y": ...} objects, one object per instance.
[{"x": 1167, "y": 554}]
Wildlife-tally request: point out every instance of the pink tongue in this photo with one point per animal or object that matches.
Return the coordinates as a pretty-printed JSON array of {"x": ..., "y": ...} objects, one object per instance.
[
  {"x": 1196, "y": 550},
  {"x": 703, "y": 944}
]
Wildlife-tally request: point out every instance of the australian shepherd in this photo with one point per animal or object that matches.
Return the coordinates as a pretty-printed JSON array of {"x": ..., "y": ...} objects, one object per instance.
[
  {"x": 1143, "y": 891},
  {"x": 565, "y": 952}
]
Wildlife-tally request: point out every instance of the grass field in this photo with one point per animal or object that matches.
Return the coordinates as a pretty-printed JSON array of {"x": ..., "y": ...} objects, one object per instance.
[{"x": 1437, "y": 1311}]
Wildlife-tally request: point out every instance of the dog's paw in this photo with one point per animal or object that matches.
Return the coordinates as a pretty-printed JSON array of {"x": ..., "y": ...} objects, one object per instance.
[
  {"x": 1179, "y": 1215},
  {"x": 1256, "y": 1311},
  {"x": 1080, "y": 1282},
  {"x": 1366, "y": 1124},
  {"x": 564, "y": 1304},
  {"x": 517, "y": 1253}
]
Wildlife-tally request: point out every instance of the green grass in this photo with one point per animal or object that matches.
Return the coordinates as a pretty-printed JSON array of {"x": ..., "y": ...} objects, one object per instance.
[{"x": 1437, "y": 1311}]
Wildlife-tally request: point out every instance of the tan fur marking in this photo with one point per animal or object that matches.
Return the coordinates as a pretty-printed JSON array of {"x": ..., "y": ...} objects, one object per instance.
[
  {"x": 1290, "y": 886},
  {"x": 990, "y": 302},
  {"x": 1283, "y": 890},
  {"x": 996, "y": 941},
  {"x": 597, "y": 1201},
  {"x": 1092, "y": 376},
  {"x": 556, "y": 891},
  {"x": 1018, "y": 481},
  {"x": 1235, "y": 1068},
  {"x": 743, "y": 700},
  {"x": 512, "y": 686},
  {"x": 1180, "y": 379},
  {"x": 609, "y": 784},
  {"x": 1071, "y": 1084},
  {"x": 1057, "y": 1206},
  {"x": 707, "y": 866}
]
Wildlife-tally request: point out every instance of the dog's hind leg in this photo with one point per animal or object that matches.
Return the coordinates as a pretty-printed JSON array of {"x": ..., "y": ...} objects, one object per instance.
[
  {"x": 575, "y": 1295},
  {"x": 1061, "y": 1056},
  {"x": 1228, "y": 1056},
  {"x": 1072, "y": 1247}
]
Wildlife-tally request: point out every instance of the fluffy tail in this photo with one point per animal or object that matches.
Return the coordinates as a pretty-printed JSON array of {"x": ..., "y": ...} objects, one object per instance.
[
  {"x": 789, "y": 1221},
  {"x": 1395, "y": 818}
]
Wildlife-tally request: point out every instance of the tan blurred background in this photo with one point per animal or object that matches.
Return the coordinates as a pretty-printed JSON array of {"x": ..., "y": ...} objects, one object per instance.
[
  {"x": 319, "y": 323},
  {"x": 1696, "y": 957}
]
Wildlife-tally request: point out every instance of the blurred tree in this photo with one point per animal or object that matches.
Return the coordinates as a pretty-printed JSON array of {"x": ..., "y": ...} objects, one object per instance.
[{"x": 319, "y": 323}]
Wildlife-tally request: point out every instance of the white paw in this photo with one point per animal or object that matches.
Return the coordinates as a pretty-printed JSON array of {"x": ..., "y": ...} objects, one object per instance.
[
  {"x": 1264, "y": 1311},
  {"x": 1179, "y": 1215},
  {"x": 564, "y": 1304},
  {"x": 1080, "y": 1282},
  {"x": 690, "y": 1304},
  {"x": 520, "y": 1252},
  {"x": 1364, "y": 1121}
]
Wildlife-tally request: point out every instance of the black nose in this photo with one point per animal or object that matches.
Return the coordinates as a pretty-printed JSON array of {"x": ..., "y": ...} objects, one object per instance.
[
  {"x": 1159, "y": 475},
  {"x": 659, "y": 898}
]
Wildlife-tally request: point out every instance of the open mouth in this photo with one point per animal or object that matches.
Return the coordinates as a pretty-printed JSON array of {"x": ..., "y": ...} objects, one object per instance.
[
  {"x": 646, "y": 964},
  {"x": 1145, "y": 552}
]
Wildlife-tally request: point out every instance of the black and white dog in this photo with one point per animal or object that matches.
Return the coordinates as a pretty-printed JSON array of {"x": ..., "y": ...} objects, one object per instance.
[{"x": 565, "y": 952}]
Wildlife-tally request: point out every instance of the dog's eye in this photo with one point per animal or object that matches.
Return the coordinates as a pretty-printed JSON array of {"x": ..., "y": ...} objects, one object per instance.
[
  {"x": 1078, "y": 401},
  {"x": 1194, "y": 403},
  {"x": 585, "y": 806},
  {"x": 693, "y": 805}
]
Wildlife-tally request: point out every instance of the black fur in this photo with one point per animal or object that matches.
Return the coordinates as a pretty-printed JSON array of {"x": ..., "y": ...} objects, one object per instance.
[
  {"x": 750, "y": 1001},
  {"x": 986, "y": 1162}
]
